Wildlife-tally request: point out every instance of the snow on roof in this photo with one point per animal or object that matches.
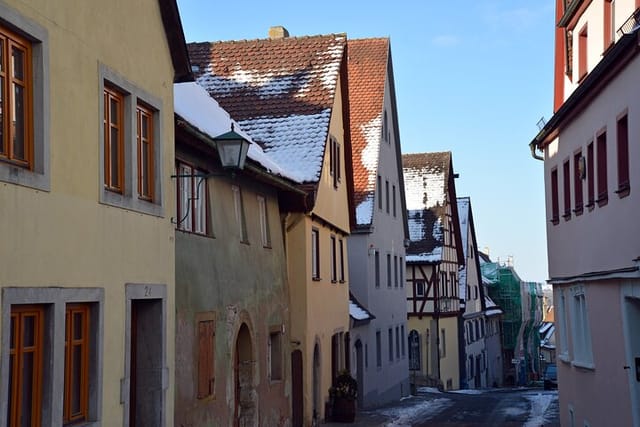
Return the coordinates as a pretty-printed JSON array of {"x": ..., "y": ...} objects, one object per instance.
[
  {"x": 357, "y": 311},
  {"x": 492, "y": 307},
  {"x": 193, "y": 104},
  {"x": 369, "y": 162}
]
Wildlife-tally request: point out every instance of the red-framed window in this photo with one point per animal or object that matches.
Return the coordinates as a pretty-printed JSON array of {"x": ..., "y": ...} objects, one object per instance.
[
  {"x": 601, "y": 147},
  {"x": 578, "y": 175},
  {"x": 582, "y": 52},
  {"x": 608, "y": 23},
  {"x": 555, "y": 205},
  {"x": 591, "y": 178},
  {"x": 622, "y": 128},
  {"x": 566, "y": 189},
  {"x": 113, "y": 140}
]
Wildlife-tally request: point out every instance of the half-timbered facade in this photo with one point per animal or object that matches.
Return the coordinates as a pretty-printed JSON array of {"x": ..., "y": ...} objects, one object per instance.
[
  {"x": 433, "y": 257},
  {"x": 288, "y": 94}
]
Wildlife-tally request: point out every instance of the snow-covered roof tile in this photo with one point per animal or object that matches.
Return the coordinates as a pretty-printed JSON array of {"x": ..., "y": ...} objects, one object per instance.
[
  {"x": 357, "y": 311},
  {"x": 367, "y": 70},
  {"x": 426, "y": 177},
  {"x": 281, "y": 91},
  {"x": 193, "y": 104}
]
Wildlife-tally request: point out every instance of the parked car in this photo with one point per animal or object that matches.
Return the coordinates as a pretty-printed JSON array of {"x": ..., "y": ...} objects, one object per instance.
[{"x": 551, "y": 377}]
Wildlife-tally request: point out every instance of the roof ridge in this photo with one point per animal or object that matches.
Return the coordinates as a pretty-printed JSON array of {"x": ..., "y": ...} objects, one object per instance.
[{"x": 267, "y": 39}]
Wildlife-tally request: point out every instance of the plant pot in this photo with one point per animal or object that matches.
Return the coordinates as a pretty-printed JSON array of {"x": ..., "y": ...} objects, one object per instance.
[{"x": 344, "y": 410}]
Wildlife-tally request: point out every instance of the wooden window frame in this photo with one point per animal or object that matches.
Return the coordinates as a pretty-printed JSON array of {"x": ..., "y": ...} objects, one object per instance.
[
  {"x": 420, "y": 284},
  {"x": 566, "y": 189},
  {"x": 111, "y": 94},
  {"x": 334, "y": 161},
  {"x": 195, "y": 180},
  {"x": 10, "y": 41},
  {"x": 601, "y": 148},
  {"x": 341, "y": 260},
  {"x": 578, "y": 176},
  {"x": 315, "y": 254},
  {"x": 84, "y": 343},
  {"x": 583, "y": 44},
  {"x": 555, "y": 203},
  {"x": 622, "y": 143},
  {"x": 238, "y": 204},
  {"x": 591, "y": 181},
  {"x": 16, "y": 351},
  {"x": 334, "y": 259},
  {"x": 608, "y": 24},
  {"x": 145, "y": 148},
  {"x": 265, "y": 233},
  {"x": 205, "y": 355}
]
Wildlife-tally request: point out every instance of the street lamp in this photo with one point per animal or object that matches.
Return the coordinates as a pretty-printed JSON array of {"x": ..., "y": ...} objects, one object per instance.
[{"x": 232, "y": 149}]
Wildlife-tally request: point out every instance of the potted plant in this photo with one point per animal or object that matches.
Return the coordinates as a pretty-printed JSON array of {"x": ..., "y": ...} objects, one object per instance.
[{"x": 343, "y": 396}]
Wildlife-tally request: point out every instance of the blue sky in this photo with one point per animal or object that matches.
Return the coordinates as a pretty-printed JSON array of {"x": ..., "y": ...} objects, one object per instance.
[{"x": 472, "y": 77}]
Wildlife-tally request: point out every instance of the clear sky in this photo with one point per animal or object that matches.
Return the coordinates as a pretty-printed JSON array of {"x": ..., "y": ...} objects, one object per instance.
[{"x": 472, "y": 77}]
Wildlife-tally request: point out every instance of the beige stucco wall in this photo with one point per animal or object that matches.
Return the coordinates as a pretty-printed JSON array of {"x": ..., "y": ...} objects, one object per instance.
[
  {"x": 319, "y": 308},
  {"x": 65, "y": 237}
]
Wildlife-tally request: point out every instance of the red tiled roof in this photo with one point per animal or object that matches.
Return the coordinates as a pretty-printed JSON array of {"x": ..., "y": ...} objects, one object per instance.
[
  {"x": 281, "y": 91},
  {"x": 367, "y": 65}
]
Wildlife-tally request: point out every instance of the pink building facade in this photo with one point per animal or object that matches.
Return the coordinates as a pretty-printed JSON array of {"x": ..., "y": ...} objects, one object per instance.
[{"x": 591, "y": 152}]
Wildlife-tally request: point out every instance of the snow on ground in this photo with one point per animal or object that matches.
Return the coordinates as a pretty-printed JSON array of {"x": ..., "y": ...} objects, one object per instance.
[
  {"x": 404, "y": 416},
  {"x": 428, "y": 390},
  {"x": 468, "y": 391},
  {"x": 539, "y": 404}
]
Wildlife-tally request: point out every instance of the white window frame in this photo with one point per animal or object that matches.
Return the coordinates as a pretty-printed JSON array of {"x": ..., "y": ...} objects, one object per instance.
[
  {"x": 238, "y": 206},
  {"x": 264, "y": 222},
  {"x": 580, "y": 330}
]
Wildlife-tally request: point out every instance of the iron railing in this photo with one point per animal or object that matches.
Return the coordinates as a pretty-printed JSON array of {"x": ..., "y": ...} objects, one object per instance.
[{"x": 630, "y": 24}]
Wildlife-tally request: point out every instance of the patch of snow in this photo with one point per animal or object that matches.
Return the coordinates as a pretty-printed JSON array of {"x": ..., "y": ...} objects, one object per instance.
[
  {"x": 405, "y": 416},
  {"x": 193, "y": 103},
  {"x": 296, "y": 140},
  {"x": 330, "y": 72},
  {"x": 539, "y": 404},
  {"x": 424, "y": 188},
  {"x": 433, "y": 256},
  {"x": 428, "y": 390},
  {"x": 364, "y": 210},
  {"x": 514, "y": 411},
  {"x": 468, "y": 391},
  {"x": 357, "y": 312}
]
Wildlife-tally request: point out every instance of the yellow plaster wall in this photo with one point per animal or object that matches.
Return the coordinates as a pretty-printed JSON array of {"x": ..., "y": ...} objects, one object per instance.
[
  {"x": 449, "y": 365},
  {"x": 65, "y": 237}
]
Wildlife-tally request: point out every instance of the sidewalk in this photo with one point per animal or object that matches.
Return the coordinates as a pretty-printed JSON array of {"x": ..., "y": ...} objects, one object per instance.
[{"x": 363, "y": 419}]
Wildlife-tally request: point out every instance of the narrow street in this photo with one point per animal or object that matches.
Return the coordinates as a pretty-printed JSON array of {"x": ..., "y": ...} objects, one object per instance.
[{"x": 469, "y": 408}]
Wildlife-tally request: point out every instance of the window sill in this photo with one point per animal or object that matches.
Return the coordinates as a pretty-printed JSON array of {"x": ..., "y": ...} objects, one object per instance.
[
  {"x": 578, "y": 211},
  {"x": 555, "y": 220},
  {"x": 623, "y": 190},
  {"x": 343, "y": 281},
  {"x": 334, "y": 281},
  {"x": 589, "y": 366},
  {"x": 602, "y": 200},
  {"x": 566, "y": 216},
  {"x": 316, "y": 279},
  {"x": 590, "y": 205},
  {"x": 195, "y": 233},
  {"x": 267, "y": 246}
]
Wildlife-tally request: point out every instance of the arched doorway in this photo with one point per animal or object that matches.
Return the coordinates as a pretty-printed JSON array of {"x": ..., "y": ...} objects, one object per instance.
[
  {"x": 360, "y": 372},
  {"x": 316, "y": 382},
  {"x": 245, "y": 395}
]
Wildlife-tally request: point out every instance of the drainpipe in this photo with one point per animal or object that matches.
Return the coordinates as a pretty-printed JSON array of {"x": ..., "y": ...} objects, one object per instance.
[{"x": 533, "y": 152}]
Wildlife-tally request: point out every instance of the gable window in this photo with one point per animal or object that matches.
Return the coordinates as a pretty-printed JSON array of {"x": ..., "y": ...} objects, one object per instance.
[
  {"x": 601, "y": 146},
  {"x": 206, "y": 355},
  {"x": 264, "y": 222},
  {"x": 555, "y": 205},
  {"x": 145, "y": 144},
  {"x": 379, "y": 192},
  {"x": 25, "y": 364},
  {"x": 566, "y": 185},
  {"x": 582, "y": 53},
  {"x": 591, "y": 178},
  {"x": 113, "y": 140},
  {"x": 239, "y": 213},
  {"x": 334, "y": 161},
  {"x": 377, "y": 268},
  {"x": 16, "y": 142},
  {"x": 191, "y": 186},
  {"x": 76, "y": 364},
  {"x": 315, "y": 254},
  {"x": 393, "y": 192},
  {"x": 623, "y": 156},
  {"x": 578, "y": 174},
  {"x": 387, "y": 194},
  {"x": 341, "y": 260},
  {"x": 334, "y": 267}
]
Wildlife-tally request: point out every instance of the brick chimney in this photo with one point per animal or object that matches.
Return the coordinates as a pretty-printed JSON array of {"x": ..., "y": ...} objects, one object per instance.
[{"x": 278, "y": 32}]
